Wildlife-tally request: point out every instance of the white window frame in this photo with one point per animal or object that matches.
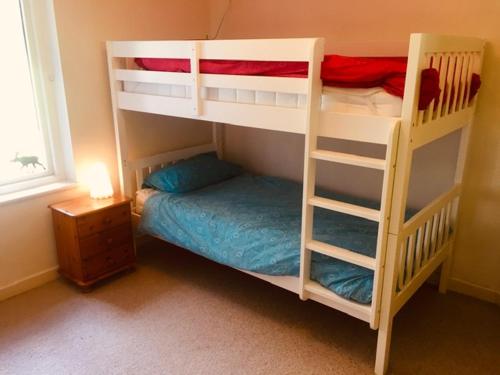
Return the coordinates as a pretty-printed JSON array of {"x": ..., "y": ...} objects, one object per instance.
[{"x": 48, "y": 85}]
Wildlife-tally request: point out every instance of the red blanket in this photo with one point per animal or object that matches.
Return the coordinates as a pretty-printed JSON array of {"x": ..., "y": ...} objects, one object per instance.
[
  {"x": 337, "y": 71},
  {"x": 386, "y": 72}
]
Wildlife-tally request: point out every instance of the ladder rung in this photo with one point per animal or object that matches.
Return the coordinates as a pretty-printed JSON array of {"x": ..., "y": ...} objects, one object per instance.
[
  {"x": 316, "y": 289},
  {"x": 346, "y": 208},
  {"x": 342, "y": 254},
  {"x": 351, "y": 159}
]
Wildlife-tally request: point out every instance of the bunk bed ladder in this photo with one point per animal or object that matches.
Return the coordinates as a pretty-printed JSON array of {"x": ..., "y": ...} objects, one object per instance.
[{"x": 309, "y": 287}]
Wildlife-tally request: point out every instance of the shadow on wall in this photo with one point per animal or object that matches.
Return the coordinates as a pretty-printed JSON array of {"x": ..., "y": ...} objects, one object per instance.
[{"x": 282, "y": 154}]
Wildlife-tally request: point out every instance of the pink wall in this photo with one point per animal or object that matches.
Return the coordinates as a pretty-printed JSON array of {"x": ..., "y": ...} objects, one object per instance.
[
  {"x": 356, "y": 26},
  {"x": 83, "y": 28},
  {"x": 28, "y": 255},
  {"x": 382, "y": 27}
]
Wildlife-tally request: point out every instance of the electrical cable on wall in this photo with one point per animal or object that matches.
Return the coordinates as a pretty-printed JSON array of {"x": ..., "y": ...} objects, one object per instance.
[{"x": 221, "y": 22}]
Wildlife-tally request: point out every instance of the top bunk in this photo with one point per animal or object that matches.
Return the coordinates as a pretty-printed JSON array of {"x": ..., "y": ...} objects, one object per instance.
[{"x": 288, "y": 84}]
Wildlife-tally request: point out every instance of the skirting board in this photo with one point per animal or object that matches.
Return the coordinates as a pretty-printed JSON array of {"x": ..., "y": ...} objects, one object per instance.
[
  {"x": 28, "y": 283},
  {"x": 50, "y": 274},
  {"x": 476, "y": 291}
]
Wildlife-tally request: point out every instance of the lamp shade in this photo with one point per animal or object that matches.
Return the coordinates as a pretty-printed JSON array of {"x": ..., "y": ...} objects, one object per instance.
[{"x": 99, "y": 182}]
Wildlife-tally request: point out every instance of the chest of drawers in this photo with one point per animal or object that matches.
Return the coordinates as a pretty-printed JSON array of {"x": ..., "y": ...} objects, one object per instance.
[{"x": 94, "y": 238}]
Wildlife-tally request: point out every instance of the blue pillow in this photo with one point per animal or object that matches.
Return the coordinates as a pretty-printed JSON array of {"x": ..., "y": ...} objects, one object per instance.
[{"x": 191, "y": 174}]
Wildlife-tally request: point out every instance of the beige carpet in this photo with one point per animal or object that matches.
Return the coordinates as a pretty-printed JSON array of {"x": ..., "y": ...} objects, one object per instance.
[{"x": 181, "y": 314}]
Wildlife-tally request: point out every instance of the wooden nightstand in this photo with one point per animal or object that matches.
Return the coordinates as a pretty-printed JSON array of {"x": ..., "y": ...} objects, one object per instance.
[{"x": 94, "y": 238}]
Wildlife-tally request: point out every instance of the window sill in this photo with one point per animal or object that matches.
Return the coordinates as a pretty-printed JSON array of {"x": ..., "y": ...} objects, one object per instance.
[{"x": 36, "y": 192}]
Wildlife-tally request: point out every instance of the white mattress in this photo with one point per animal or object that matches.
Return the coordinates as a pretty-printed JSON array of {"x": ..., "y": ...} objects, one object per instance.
[
  {"x": 141, "y": 196},
  {"x": 372, "y": 101}
]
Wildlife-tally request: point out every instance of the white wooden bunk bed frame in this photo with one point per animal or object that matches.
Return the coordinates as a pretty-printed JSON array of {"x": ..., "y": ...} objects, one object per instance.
[{"x": 407, "y": 252}]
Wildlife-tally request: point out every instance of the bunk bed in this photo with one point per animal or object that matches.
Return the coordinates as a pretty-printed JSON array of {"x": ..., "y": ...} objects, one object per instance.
[{"x": 407, "y": 249}]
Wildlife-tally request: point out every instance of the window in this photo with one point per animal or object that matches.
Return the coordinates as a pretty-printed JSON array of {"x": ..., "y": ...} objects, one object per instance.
[{"x": 34, "y": 139}]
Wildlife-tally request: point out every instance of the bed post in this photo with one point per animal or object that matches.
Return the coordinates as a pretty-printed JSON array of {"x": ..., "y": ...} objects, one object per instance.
[
  {"x": 311, "y": 134},
  {"x": 462, "y": 153},
  {"x": 119, "y": 127},
  {"x": 459, "y": 174},
  {"x": 399, "y": 197},
  {"x": 218, "y": 139},
  {"x": 386, "y": 312}
]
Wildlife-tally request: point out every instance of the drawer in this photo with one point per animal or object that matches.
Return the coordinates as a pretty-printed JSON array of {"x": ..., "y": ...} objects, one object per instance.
[
  {"x": 105, "y": 240},
  {"x": 103, "y": 220},
  {"x": 108, "y": 261}
]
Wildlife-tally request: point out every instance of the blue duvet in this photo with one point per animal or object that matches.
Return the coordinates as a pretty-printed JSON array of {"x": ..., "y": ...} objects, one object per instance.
[{"x": 253, "y": 223}]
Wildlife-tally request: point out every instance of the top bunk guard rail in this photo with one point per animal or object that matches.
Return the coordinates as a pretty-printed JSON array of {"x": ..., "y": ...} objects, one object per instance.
[
  {"x": 278, "y": 84},
  {"x": 197, "y": 105},
  {"x": 294, "y": 49}
]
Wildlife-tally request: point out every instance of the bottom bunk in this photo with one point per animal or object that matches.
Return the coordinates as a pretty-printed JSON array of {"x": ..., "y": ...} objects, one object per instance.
[{"x": 253, "y": 223}]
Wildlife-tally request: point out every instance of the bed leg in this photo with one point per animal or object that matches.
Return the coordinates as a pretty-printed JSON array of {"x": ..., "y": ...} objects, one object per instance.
[
  {"x": 445, "y": 274},
  {"x": 383, "y": 345}
]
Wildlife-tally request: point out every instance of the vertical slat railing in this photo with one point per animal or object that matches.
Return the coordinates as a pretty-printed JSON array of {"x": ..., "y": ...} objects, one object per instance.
[
  {"x": 448, "y": 85},
  {"x": 443, "y": 72},
  {"x": 463, "y": 82},
  {"x": 455, "y": 76},
  {"x": 432, "y": 63},
  {"x": 418, "y": 249},
  {"x": 447, "y": 222},
  {"x": 468, "y": 81},
  {"x": 440, "y": 228},
  {"x": 456, "y": 83},
  {"x": 410, "y": 254},
  {"x": 434, "y": 234},
  {"x": 401, "y": 265},
  {"x": 424, "y": 243}
]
